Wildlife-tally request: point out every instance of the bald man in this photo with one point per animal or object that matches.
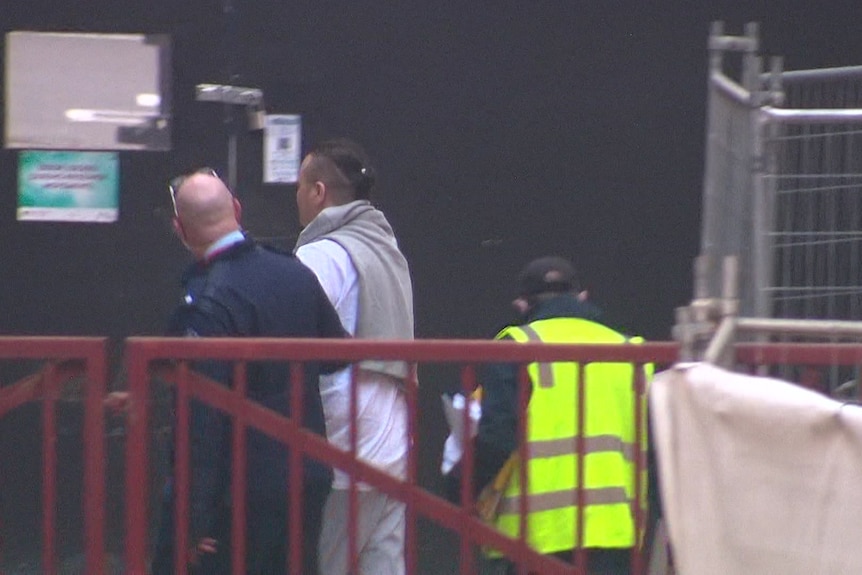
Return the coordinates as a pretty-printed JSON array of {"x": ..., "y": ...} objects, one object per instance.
[
  {"x": 206, "y": 213},
  {"x": 237, "y": 288}
]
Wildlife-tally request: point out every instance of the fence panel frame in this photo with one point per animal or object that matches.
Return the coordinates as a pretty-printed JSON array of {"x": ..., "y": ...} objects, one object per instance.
[
  {"x": 143, "y": 352},
  {"x": 67, "y": 357},
  {"x": 744, "y": 165}
]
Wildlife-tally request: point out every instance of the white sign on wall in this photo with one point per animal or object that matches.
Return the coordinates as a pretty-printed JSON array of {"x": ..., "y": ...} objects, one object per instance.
[
  {"x": 77, "y": 91},
  {"x": 282, "y": 145}
]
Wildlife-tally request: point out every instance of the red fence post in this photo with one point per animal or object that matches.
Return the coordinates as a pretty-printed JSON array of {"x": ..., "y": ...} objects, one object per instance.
[
  {"x": 49, "y": 471},
  {"x": 238, "y": 475},
  {"x": 295, "y": 480},
  {"x": 412, "y": 388},
  {"x": 525, "y": 385},
  {"x": 137, "y": 482},
  {"x": 180, "y": 480},
  {"x": 468, "y": 464},
  {"x": 640, "y": 465},
  {"x": 581, "y": 555},
  {"x": 94, "y": 458}
]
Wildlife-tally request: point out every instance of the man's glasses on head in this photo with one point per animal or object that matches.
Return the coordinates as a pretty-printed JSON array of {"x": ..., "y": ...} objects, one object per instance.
[{"x": 176, "y": 183}]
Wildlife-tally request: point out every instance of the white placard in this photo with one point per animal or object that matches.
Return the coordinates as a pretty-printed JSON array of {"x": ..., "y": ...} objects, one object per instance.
[
  {"x": 283, "y": 142},
  {"x": 83, "y": 91}
]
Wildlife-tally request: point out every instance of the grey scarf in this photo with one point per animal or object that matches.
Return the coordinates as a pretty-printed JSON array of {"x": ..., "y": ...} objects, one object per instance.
[{"x": 385, "y": 290}]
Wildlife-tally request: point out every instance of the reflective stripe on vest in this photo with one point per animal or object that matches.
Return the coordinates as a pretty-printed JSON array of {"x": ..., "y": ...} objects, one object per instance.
[
  {"x": 609, "y": 445},
  {"x": 566, "y": 498},
  {"x": 546, "y": 370},
  {"x": 569, "y": 446}
]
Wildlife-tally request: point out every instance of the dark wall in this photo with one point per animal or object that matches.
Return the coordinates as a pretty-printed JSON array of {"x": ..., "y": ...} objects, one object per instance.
[{"x": 501, "y": 131}]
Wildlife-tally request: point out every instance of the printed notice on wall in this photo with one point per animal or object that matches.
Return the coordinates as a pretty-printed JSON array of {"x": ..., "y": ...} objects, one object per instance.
[
  {"x": 283, "y": 141},
  {"x": 68, "y": 186}
]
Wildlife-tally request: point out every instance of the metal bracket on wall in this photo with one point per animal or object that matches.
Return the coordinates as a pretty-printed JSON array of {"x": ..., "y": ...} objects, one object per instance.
[
  {"x": 249, "y": 98},
  {"x": 238, "y": 95}
]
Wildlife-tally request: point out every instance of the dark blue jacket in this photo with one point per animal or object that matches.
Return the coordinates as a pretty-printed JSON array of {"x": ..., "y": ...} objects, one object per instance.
[{"x": 252, "y": 291}]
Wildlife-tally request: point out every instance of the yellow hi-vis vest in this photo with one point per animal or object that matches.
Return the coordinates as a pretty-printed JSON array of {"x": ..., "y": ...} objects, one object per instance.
[{"x": 609, "y": 439}]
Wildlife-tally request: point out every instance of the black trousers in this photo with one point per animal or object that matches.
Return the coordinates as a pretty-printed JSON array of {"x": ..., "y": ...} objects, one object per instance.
[{"x": 267, "y": 545}]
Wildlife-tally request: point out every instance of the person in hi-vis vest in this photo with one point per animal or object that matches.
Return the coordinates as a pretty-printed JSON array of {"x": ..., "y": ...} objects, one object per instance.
[{"x": 553, "y": 309}]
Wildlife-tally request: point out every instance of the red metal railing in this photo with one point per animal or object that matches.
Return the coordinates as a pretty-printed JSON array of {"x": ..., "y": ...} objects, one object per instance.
[
  {"x": 799, "y": 354},
  {"x": 71, "y": 358},
  {"x": 147, "y": 355},
  {"x": 65, "y": 358}
]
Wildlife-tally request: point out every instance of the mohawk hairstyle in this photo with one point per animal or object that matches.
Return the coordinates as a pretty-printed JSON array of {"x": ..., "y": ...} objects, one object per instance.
[{"x": 352, "y": 167}]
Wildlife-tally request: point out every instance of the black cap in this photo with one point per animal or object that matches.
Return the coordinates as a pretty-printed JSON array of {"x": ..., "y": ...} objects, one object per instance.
[{"x": 547, "y": 274}]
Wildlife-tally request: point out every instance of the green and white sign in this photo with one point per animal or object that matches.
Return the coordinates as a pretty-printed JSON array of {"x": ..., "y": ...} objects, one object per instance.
[{"x": 68, "y": 186}]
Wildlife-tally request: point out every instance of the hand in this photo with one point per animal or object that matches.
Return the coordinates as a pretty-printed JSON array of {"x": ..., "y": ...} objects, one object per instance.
[
  {"x": 206, "y": 545},
  {"x": 117, "y": 401}
]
